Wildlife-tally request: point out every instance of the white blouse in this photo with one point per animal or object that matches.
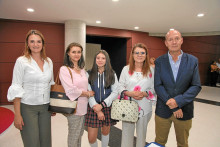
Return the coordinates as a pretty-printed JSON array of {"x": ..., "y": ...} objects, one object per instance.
[
  {"x": 136, "y": 82},
  {"x": 29, "y": 82}
]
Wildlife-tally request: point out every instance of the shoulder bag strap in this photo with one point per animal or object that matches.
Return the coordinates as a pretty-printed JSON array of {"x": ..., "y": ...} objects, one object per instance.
[
  {"x": 57, "y": 80},
  {"x": 70, "y": 73}
]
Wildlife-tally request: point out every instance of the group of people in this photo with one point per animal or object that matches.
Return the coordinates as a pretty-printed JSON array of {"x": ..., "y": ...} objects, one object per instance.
[
  {"x": 214, "y": 73},
  {"x": 174, "y": 78}
]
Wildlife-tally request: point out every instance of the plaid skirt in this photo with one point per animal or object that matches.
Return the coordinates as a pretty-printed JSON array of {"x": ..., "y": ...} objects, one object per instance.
[{"x": 92, "y": 120}]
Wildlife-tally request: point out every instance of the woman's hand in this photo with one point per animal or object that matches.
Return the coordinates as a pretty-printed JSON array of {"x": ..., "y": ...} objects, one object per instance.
[
  {"x": 97, "y": 107},
  {"x": 101, "y": 115},
  {"x": 138, "y": 95},
  {"x": 18, "y": 121},
  {"x": 90, "y": 94},
  {"x": 87, "y": 94},
  {"x": 53, "y": 113}
]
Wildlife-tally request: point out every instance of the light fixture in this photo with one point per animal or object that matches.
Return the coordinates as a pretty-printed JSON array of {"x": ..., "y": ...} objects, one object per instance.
[
  {"x": 171, "y": 29},
  {"x": 98, "y": 21},
  {"x": 200, "y": 15},
  {"x": 115, "y": 0},
  {"x": 30, "y": 9},
  {"x": 136, "y": 28}
]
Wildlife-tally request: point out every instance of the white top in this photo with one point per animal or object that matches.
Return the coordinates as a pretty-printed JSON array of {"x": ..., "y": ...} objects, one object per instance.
[
  {"x": 136, "y": 82},
  {"x": 218, "y": 64},
  {"x": 29, "y": 83}
]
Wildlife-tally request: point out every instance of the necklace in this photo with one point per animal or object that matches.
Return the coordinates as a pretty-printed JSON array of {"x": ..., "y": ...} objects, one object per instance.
[{"x": 77, "y": 68}]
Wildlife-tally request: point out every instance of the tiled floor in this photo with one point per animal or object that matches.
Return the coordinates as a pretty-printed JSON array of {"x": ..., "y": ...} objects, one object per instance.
[{"x": 204, "y": 132}]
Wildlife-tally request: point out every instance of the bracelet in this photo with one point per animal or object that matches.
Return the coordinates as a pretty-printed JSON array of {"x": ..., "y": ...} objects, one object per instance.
[
  {"x": 102, "y": 105},
  {"x": 89, "y": 94},
  {"x": 147, "y": 94}
]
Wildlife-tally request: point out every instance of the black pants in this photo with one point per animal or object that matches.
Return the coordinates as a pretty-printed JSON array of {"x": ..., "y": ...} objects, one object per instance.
[{"x": 214, "y": 78}]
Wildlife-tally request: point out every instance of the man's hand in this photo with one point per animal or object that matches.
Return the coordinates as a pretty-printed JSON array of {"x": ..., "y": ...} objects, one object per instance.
[
  {"x": 172, "y": 103},
  {"x": 178, "y": 113}
]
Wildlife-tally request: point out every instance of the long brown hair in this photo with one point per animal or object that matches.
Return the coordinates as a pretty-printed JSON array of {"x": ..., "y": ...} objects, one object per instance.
[
  {"x": 27, "y": 51},
  {"x": 146, "y": 64},
  {"x": 67, "y": 61},
  {"x": 108, "y": 71}
]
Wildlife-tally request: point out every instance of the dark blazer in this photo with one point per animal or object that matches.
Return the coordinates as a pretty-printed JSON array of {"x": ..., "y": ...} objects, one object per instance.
[{"x": 184, "y": 90}]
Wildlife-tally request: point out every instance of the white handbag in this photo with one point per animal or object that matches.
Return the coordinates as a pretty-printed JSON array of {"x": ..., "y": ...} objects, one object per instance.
[{"x": 124, "y": 110}]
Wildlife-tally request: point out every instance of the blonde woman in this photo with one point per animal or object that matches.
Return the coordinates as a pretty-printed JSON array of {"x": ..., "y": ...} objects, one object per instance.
[{"x": 30, "y": 92}]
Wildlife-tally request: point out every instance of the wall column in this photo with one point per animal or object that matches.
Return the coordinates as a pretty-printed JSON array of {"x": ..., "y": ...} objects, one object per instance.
[{"x": 75, "y": 31}]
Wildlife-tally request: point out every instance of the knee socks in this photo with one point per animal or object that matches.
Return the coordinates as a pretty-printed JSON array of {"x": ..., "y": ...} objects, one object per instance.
[
  {"x": 95, "y": 144},
  {"x": 105, "y": 140}
]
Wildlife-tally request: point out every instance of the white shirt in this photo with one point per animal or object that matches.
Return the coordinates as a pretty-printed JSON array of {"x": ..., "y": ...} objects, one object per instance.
[
  {"x": 29, "y": 82},
  {"x": 138, "y": 82},
  {"x": 218, "y": 64}
]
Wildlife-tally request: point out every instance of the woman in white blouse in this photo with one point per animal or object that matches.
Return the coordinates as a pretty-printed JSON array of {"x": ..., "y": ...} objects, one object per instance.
[
  {"x": 137, "y": 81},
  {"x": 30, "y": 92}
]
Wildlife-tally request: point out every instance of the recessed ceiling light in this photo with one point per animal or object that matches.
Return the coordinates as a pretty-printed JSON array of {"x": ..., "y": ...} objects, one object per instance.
[
  {"x": 136, "y": 28},
  {"x": 200, "y": 15},
  {"x": 30, "y": 10},
  {"x": 115, "y": 0},
  {"x": 171, "y": 29},
  {"x": 98, "y": 21}
]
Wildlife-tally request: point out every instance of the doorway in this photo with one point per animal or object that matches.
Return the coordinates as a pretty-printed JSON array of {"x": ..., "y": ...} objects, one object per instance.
[{"x": 116, "y": 48}]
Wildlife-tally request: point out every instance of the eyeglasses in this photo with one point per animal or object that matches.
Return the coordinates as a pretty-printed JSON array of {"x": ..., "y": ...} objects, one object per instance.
[{"x": 140, "y": 53}]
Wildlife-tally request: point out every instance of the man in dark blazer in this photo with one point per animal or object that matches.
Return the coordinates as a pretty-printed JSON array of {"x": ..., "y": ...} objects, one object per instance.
[{"x": 176, "y": 83}]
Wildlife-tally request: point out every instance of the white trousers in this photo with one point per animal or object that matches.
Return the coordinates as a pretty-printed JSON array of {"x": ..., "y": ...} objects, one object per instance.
[{"x": 141, "y": 131}]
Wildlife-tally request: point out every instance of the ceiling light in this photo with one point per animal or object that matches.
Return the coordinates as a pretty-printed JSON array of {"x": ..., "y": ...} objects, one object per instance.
[
  {"x": 171, "y": 29},
  {"x": 98, "y": 21},
  {"x": 200, "y": 15},
  {"x": 30, "y": 10},
  {"x": 136, "y": 28},
  {"x": 115, "y": 0}
]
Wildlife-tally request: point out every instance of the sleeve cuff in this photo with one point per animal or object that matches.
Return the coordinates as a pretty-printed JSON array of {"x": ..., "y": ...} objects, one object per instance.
[
  {"x": 175, "y": 109},
  {"x": 103, "y": 104},
  {"x": 15, "y": 91}
]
